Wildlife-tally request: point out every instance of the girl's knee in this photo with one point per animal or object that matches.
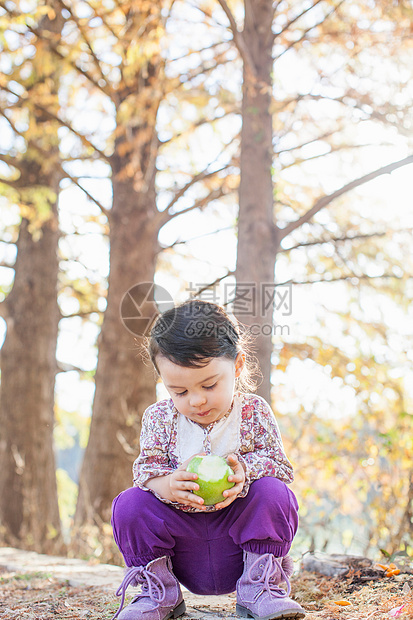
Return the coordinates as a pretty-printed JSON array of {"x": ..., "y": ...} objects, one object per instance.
[
  {"x": 268, "y": 484},
  {"x": 128, "y": 504},
  {"x": 274, "y": 492},
  {"x": 280, "y": 503}
]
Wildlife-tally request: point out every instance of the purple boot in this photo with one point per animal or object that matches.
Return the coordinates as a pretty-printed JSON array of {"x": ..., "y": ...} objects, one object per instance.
[
  {"x": 161, "y": 597},
  {"x": 259, "y": 595}
]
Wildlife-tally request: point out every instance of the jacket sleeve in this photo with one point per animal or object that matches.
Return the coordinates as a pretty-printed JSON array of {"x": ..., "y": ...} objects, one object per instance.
[
  {"x": 153, "y": 460},
  {"x": 263, "y": 455}
]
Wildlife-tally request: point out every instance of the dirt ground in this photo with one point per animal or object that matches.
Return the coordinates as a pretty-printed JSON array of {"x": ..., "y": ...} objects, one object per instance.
[{"x": 34, "y": 596}]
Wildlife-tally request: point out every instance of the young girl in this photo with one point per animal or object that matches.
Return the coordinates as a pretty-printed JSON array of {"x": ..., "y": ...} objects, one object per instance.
[{"x": 165, "y": 532}]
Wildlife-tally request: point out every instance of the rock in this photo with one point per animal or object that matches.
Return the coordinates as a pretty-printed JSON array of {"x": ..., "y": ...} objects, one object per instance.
[{"x": 334, "y": 565}]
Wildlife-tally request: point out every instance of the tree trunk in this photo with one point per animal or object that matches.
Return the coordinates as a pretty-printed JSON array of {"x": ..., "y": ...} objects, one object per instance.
[
  {"x": 256, "y": 232},
  {"x": 125, "y": 383},
  {"x": 29, "y": 512}
]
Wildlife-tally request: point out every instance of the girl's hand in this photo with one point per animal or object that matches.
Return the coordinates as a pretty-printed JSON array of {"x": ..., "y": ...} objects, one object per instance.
[
  {"x": 182, "y": 482},
  {"x": 238, "y": 478}
]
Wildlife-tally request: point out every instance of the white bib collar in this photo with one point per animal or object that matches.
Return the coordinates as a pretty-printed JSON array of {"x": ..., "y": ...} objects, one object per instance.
[{"x": 221, "y": 437}]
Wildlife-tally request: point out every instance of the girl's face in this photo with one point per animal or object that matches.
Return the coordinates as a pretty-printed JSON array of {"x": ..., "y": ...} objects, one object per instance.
[{"x": 204, "y": 394}]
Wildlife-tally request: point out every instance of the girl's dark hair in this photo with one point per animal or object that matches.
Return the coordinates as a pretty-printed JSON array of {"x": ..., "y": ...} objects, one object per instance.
[{"x": 195, "y": 332}]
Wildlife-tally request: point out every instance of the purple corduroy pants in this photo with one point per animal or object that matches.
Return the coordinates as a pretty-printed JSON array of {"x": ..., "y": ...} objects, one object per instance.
[{"x": 206, "y": 549}]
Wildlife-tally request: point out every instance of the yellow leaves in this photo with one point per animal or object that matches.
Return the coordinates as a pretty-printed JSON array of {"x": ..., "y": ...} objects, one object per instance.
[
  {"x": 128, "y": 172},
  {"x": 390, "y": 569},
  {"x": 45, "y": 10},
  {"x": 138, "y": 56},
  {"x": 35, "y": 204},
  {"x": 232, "y": 182},
  {"x": 342, "y": 603},
  {"x": 124, "y": 148},
  {"x": 45, "y": 64},
  {"x": 138, "y": 110}
]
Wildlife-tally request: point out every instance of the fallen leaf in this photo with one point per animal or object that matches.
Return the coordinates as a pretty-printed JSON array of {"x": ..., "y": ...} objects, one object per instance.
[
  {"x": 391, "y": 572},
  {"x": 342, "y": 603}
]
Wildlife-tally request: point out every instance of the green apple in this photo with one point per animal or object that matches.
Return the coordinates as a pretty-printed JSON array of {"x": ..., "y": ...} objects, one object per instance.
[{"x": 213, "y": 472}]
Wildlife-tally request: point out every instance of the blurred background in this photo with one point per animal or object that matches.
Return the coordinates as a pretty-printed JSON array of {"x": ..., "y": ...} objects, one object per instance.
[{"x": 256, "y": 153}]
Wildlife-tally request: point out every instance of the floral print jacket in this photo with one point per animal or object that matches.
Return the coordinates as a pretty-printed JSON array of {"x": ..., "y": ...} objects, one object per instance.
[{"x": 249, "y": 430}]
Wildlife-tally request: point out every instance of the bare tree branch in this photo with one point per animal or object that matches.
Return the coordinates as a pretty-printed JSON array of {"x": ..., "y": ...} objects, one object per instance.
[
  {"x": 333, "y": 149},
  {"x": 75, "y": 180},
  {"x": 10, "y": 161},
  {"x": 214, "y": 283},
  {"x": 353, "y": 100},
  {"x": 326, "y": 200},
  {"x": 7, "y": 89},
  {"x": 352, "y": 270},
  {"x": 85, "y": 141},
  {"x": 305, "y": 33},
  {"x": 199, "y": 123},
  {"x": 201, "y": 176},
  {"x": 176, "y": 83},
  {"x": 208, "y": 234},
  {"x": 199, "y": 204},
  {"x": 12, "y": 125},
  {"x": 65, "y": 367},
  {"x": 82, "y": 315},
  {"x": 340, "y": 239},
  {"x": 95, "y": 177},
  {"x": 244, "y": 52},
  {"x": 102, "y": 15},
  {"x": 276, "y": 4},
  {"x": 85, "y": 39},
  {"x": 8, "y": 242},
  {"x": 42, "y": 36},
  {"x": 296, "y": 18},
  {"x": 207, "y": 14},
  {"x": 83, "y": 235},
  {"x": 364, "y": 276},
  {"x": 13, "y": 184},
  {"x": 328, "y": 134},
  {"x": 198, "y": 51},
  {"x": 92, "y": 157}
]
